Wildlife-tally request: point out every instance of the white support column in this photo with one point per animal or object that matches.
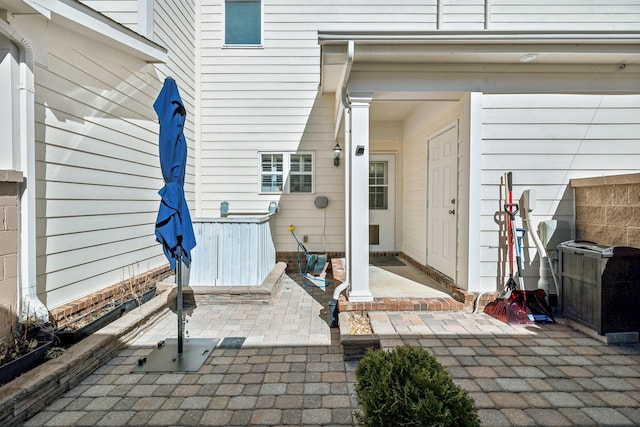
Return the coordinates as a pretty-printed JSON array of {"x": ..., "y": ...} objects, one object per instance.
[{"x": 359, "y": 156}]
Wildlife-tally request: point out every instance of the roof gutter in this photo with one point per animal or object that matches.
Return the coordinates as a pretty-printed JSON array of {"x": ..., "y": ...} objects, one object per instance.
[
  {"x": 344, "y": 102},
  {"x": 482, "y": 37},
  {"x": 31, "y": 306}
]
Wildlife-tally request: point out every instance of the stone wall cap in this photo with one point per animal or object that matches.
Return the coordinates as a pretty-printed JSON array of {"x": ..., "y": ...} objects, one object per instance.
[
  {"x": 10, "y": 175},
  {"x": 633, "y": 178}
]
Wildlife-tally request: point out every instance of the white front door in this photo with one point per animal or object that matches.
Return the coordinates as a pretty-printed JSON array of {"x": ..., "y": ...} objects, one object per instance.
[
  {"x": 442, "y": 201},
  {"x": 382, "y": 212}
]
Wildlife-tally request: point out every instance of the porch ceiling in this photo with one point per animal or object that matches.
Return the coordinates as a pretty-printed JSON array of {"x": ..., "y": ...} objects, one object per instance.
[
  {"x": 395, "y": 106},
  {"x": 393, "y": 52}
]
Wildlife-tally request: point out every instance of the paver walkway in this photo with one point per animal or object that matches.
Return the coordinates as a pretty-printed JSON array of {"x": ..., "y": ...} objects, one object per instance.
[{"x": 290, "y": 370}]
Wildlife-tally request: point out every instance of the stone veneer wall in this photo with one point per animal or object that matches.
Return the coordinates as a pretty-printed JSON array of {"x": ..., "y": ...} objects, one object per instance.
[
  {"x": 608, "y": 209},
  {"x": 9, "y": 221}
]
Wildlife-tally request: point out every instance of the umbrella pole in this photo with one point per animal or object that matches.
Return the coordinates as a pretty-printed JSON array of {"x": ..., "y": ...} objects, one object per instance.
[{"x": 179, "y": 298}]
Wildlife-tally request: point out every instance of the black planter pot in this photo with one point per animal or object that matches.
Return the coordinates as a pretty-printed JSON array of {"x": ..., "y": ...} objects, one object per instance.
[
  {"x": 66, "y": 337},
  {"x": 24, "y": 363},
  {"x": 136, "y": 302}
]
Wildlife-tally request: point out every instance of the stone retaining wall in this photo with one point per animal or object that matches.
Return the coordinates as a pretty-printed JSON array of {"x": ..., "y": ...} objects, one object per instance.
[{"x": 608, "y": 209}]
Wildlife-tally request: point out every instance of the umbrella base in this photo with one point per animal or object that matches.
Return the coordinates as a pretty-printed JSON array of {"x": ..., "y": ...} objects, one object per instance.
[{"x": 165, "y": 357}]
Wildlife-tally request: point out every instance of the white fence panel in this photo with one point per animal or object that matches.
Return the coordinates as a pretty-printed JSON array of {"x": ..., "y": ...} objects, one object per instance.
[{"x": 232, "y": 251}]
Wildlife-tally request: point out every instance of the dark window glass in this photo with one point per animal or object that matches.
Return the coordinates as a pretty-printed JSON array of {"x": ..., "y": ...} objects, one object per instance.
[{"x": 243, "y": 22}]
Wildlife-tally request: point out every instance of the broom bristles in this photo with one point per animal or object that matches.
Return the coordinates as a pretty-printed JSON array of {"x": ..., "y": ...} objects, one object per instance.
[{"x": 497, "y": 309}]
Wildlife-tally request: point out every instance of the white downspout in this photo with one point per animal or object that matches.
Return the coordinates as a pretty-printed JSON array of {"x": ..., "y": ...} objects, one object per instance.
[
  {"x": 527, "y": 205},
  {"x": 31, "y": 306},
  {"x": 347, "y": 179}
]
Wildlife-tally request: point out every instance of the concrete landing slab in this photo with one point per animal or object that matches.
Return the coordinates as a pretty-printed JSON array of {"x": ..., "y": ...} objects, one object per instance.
[{"x": 385, "y": 284}]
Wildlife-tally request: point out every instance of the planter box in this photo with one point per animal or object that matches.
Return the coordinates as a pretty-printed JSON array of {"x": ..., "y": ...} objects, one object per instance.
[
  {"x": 24, "y": 363},
  {"x": 72, "y": 337},
  {"x": 136, "y": 302},
  {"x": 354, "y": 347}
]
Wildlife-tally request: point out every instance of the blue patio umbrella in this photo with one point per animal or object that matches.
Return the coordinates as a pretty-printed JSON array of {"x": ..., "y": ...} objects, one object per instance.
[{"x": 173, "y": 224}]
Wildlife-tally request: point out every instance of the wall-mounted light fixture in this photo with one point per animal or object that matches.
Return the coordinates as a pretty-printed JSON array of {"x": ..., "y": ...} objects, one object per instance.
[{"x": 336, "y": 154}]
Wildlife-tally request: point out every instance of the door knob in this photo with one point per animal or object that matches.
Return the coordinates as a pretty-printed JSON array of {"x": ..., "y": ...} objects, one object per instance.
[{"x": 452, "y": 211}]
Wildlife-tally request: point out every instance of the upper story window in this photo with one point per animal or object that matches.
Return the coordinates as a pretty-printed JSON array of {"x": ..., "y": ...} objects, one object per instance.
[
  {"x": 286, "y": 172},
  {"x": 243, "y": 22}
]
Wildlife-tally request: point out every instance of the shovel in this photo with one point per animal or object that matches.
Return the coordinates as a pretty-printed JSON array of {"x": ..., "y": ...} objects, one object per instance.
[
  {"x": 517, "y": 309},
  {"x": 511, "y": 307}
]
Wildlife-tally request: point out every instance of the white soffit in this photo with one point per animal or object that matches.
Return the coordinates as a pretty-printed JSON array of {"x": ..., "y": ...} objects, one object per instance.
[
  {"x": 80, "y": 18},
  {"x": 485, "y": 47}
]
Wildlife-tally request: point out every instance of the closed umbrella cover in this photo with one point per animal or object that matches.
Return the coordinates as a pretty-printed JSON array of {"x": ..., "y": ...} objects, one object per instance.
[{"x": 173, "y": 224}]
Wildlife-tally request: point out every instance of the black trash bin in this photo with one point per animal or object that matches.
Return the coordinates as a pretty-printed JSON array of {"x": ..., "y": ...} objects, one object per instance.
[{"x": 600, "y": 286}]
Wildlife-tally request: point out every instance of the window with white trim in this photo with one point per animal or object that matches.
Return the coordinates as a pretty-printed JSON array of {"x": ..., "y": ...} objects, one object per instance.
[
  {"x": 287, "y": 172},
  {"x": 242, "y": 22}
]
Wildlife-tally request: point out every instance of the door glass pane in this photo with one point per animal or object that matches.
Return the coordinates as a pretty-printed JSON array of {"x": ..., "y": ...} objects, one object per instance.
[{"x": 378, "y": 185}]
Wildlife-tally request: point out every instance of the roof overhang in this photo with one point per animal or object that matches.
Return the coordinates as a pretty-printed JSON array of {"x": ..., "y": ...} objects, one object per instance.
[
  {"x": 84, "y": 20},
  {"x": 619, "y": 49}
]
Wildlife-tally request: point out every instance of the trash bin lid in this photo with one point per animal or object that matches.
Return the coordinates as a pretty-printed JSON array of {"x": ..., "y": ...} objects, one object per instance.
[
  {"x": 588, "y": 246},
  {"x": 626, "y": 251}
]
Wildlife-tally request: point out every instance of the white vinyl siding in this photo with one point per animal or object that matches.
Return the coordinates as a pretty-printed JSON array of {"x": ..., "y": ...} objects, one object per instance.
[
  {"x": 417, "y": 132},
  {"x": 267, "y": 99},
  {"x": 546, "y": 140},
  {"x": 175, "y": 28},
  {"x": 565, "y": 15},
  {"x": 98, "y": 169},
  {"x": 536, "y": 15},
  {"x": 124, "y": 12},
  {"x": 97, "y": 157}
]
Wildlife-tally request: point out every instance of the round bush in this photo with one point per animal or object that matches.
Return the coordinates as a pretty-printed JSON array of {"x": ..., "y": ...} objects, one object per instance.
[{"x": 408, "y": 387}]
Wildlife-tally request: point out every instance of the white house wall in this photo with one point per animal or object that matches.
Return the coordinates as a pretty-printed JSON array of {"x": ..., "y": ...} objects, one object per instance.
[
  {"x": 175, "y": 29},
  {"x": 386, "y": 137},
  {"x": 97, "y": 164},
  {"x": 417, "y": 131},
  {"x": 266, "y": 98},
  {"x": 123, "y": 11},
  {"x": 537, "y": 15},
  {"x": 565, "y": 15},
  {"x": 546, "y": 140}
]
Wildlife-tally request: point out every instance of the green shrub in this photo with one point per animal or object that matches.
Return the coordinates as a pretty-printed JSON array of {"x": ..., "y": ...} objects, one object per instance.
[{"x": 408, "y": 387}]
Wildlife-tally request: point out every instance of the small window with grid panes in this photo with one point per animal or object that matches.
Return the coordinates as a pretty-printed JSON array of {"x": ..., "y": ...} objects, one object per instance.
[{"x": 287, "y": 172}]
